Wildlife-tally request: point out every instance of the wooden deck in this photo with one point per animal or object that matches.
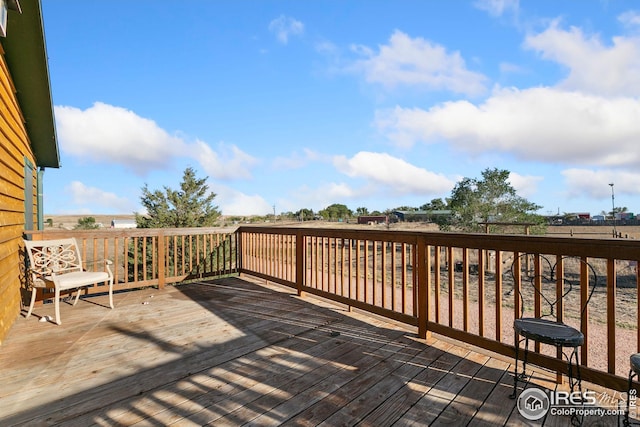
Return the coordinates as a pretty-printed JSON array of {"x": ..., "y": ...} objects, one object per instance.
[{"x": 237, "y": 351}]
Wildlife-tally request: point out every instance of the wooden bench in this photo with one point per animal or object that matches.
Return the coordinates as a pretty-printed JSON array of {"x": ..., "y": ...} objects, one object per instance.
[{"x": 57, "y": 264}]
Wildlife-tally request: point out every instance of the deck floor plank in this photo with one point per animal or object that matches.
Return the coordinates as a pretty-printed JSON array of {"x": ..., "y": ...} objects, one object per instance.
[
  {"x": 221, "y": 355},
  {"x": 451, "y": 380},
  {"x": 231, "y": 377},
  {"x": 311, "y": 370},
  {"x": 465, "y": 405},
  {"x": 338, "y": 407},
  {"x": 366, "y": 399},
  {"x": 497, "y": 407},
  {"x": 239, "y": 351},
  {"x": 303, "y": 407},
  {"x": 326, "y": 364}
]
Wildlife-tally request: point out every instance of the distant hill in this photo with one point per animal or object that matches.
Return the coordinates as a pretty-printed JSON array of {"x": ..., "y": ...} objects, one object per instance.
[{"x": 70, "y": 221}]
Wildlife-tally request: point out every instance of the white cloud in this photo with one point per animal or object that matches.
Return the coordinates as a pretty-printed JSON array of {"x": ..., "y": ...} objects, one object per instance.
[
  {"x": 593, "y": 67},
  {"x": 525, "y": 185},
  {"x": 338, "y": 191},
  {"x": 397, "y": 174},
  {"x": 284, "y": 26},
  {"x": 324, "y": 195},
  {"x": 539, "y": 124},
  {"x": 497, "y": 7},
  {"x": 107, "y": 134},
  {"x": 229, "y": 162},
  {"x": 97, "y": 199},
  {"x": 595, "y": 184},
  {"x": 509, "y": 68},
  {"x": 104, "y": 133},
  {"x": 297, "y": 160},
  {"x": 233, "y": 202},
  {"x": 417, "y": 62},
  {"x": 630, "y": 19},
  {"x": 326, "y": 48}
]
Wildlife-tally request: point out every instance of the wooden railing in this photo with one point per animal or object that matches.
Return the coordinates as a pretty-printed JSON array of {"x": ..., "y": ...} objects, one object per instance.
[
  {"x": 153, "y": 257},
  {"x": 454, "y": 284},
  {"x": 461, "y": 285}
]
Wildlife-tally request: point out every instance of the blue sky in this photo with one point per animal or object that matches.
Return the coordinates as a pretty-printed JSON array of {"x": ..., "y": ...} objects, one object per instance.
[{"x": 300, "y": 104}]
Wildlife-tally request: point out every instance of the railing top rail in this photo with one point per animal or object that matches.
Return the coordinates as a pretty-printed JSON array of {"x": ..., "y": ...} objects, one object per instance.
[
  {"x": 574, "y": 246},
  {"x": 340, "y": 233},
  {"x": 132, "y": 232}
]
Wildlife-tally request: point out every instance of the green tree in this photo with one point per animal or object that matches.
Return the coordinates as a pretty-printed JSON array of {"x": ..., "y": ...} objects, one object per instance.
[
  {"x": 434, "y": 205},
  {"x": 336, "y": 211},
  {"x": 305, "y": 214},
  {"x": 362, "y": 211},
  {"x": 490, "y": 199},
  {"x": 190, "y": 206},
  {"x": 235, "y": 219},
  {"x": 86, "y": 223},
  {"x": 405, "y": 209},
  {"x": 442, "y": 220},
  {"x": 619, "y": 210}
]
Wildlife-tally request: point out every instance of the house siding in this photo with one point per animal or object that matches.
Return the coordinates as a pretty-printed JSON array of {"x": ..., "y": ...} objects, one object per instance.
[{"x": 14, "y": 149}]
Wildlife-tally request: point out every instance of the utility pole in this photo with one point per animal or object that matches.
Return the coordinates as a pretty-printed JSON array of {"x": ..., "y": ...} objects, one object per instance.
[{"x": 613, "y": 210}]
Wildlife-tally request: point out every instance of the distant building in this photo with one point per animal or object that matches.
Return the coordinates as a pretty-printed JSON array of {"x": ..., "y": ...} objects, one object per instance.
[
  {"x": 424, "y": 216},
  {"x": 624, "y": 216},
  {"x": 373, "y": 219},
  {"x": 123, "y": 223}
]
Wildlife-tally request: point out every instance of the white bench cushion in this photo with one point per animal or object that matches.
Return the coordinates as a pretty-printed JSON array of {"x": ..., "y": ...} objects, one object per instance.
[{"x": 79, "y": 278}]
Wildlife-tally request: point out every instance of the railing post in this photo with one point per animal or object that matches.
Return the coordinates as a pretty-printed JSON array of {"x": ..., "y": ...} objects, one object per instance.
[
  {"x": 238, "y": 249},
  {"x": 423, "y": 288},
  {"x": 162, "y": 262},
  {"x": 611, "y": 316},
  {"x": 300, "y": 256}
]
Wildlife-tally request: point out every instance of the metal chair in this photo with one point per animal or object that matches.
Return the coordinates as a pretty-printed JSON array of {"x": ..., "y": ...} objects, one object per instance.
[
  {"x": 57, "y": 264},
  {"x": 634, "y": 372},
  {"x": 559, "y": 279}
]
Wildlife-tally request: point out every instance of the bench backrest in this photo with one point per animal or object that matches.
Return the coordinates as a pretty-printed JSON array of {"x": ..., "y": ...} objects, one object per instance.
[{"x": 48, "y": 257}]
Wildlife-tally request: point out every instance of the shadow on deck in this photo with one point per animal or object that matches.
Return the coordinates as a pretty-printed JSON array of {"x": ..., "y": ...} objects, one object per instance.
[{"x": 237, "y": 351}]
